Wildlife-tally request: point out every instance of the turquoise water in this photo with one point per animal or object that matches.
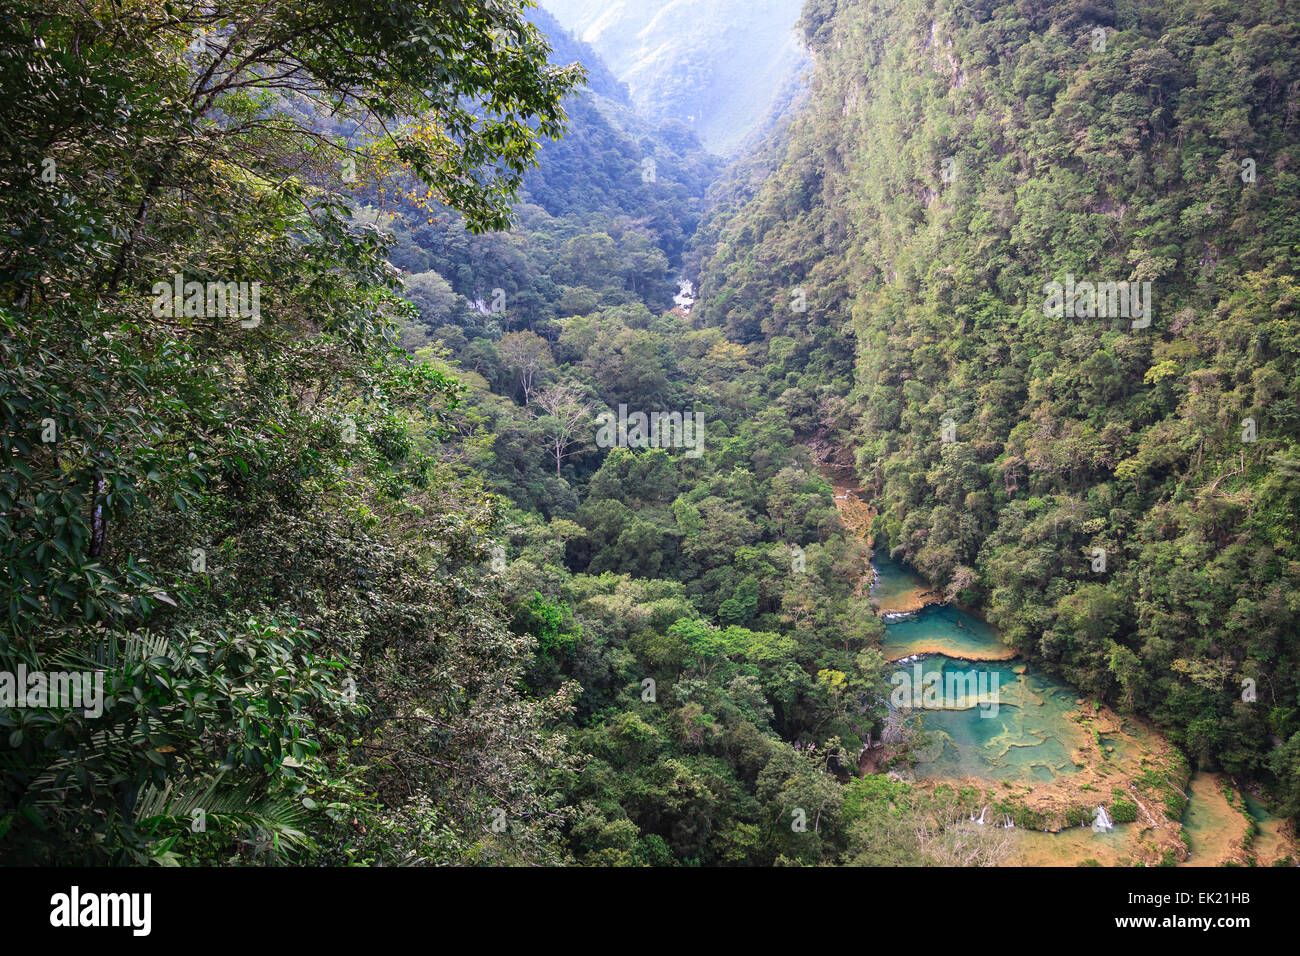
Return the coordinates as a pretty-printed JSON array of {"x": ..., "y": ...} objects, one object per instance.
[
  {"x": 989, "y": 721},
  {"x": 1257, "y": 810},
  {"x": 942, "y": 629},
  {"x": 895, "y": 583},
  {"x": 1016, "y": 726}
]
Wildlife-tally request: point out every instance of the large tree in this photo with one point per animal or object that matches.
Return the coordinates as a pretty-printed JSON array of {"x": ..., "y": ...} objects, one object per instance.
[{"x": 565, "y": 411}]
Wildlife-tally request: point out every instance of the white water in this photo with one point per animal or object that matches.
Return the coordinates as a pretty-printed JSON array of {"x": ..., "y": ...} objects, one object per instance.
[{"x": 685, "y": 297}]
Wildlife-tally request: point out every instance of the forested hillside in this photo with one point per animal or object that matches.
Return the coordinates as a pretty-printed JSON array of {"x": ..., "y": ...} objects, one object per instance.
[
  {"x": 321, "y": 637},
  {"x": 716, "y": 689},
  {"x": 225, "y": 490},
  {"x": 953, "y": 161}
]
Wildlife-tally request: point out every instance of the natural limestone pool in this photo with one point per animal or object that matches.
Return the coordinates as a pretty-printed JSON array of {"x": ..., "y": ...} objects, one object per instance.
[
  {"x": 1021, "y": 729},
  {"x": 896, "y": 588},
  {"x": 1024, "y": 733},
  {"x": 943, "y": 630}
]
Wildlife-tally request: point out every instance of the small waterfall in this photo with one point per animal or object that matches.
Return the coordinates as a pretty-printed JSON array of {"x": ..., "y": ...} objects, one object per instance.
[
  {"x": 980, "y": 821},
  {"x": 1007, "y": 822},
  {"x": 685, "y": 297},
  {"x": 1102, "y": 821}
]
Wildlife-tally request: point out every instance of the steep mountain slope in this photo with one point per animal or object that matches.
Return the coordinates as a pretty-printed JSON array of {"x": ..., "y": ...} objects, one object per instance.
[
  {"x": 714, "y": 65},
  {"x": 612, "y": 157},
  {"x": 1120, "y": 493},
  {"x": 568, "y": 48},
  {"x": 603, "y": 222},
  {"x": 604, "y": 219}
]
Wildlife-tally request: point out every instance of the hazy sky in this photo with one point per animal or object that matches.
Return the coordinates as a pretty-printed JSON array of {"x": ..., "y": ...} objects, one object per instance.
[{"x": 713, "y": 64}]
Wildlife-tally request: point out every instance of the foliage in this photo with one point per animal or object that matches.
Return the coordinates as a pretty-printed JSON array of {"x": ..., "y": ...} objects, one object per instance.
[{"x": 252, "y": 524}]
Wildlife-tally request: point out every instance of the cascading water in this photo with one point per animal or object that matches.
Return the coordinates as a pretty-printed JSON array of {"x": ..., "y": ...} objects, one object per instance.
[
  {"x": 1102, "y": 821},
  {"x": 685, "y": 297}
]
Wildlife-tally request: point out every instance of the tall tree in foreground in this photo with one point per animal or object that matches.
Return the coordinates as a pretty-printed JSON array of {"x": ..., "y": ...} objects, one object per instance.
[{"x": 220, "y": 484}]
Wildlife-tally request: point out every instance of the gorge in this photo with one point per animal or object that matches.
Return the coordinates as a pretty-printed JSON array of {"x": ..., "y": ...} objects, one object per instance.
[{"x": 684, "y": 460}]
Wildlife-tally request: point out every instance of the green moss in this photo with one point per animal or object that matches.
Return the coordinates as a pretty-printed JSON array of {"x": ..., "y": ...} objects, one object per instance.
[{"x": 1122, "y": 809}]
